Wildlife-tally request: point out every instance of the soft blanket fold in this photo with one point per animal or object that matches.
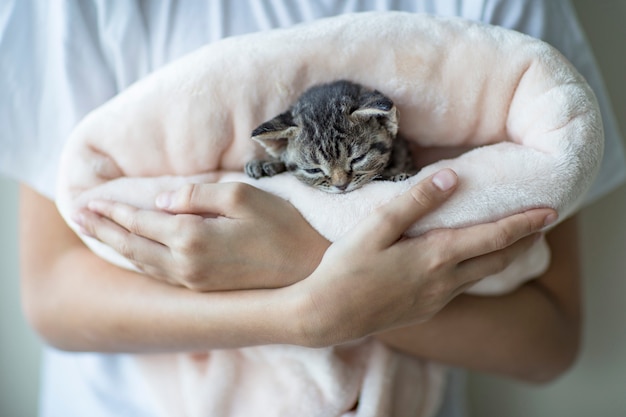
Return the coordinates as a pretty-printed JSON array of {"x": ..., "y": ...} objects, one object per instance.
[{"x": 531, "y": 118}]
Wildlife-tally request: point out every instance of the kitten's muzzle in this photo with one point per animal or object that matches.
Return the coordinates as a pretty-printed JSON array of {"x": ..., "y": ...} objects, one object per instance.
[
  {"x": 340, "y": 179},
  {"x": 342, "y": 187}
]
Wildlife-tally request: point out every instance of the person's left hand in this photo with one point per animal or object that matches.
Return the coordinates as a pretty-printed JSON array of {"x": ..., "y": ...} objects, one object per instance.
[{"x": 211, "y": 237}]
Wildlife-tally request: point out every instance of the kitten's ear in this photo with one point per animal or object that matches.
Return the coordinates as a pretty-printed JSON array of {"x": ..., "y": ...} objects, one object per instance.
[
  {"x": 274, "y": 134},
  {"x": 375, "y": 104}
]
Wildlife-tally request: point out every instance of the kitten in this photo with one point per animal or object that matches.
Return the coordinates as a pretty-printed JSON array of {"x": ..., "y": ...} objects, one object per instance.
[{"x": 337, "y": 137}]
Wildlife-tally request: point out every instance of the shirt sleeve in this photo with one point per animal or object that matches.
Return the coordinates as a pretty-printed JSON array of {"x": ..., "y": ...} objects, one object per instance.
[
  {"x": 556, "y": 23},
  {"x": 55, "y": 73}
]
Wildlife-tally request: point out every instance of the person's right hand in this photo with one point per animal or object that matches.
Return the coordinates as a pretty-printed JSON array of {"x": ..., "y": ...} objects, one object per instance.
[
  {"x": 223, "y": 236},
  {"x": 374, "y": 279}
]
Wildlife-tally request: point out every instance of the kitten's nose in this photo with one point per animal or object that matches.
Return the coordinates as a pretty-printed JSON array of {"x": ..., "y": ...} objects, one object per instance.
[{"x": 340, "y": 179}]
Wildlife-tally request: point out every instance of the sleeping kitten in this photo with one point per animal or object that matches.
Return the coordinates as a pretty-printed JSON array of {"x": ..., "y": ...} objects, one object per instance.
[{"x": 337, "y": 137}]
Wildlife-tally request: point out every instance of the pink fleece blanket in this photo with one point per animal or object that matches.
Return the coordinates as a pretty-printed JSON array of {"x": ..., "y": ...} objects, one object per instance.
[{"x": 531, "y": 120}]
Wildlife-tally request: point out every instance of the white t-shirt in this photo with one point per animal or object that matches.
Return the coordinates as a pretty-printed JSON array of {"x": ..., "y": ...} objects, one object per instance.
[{"x": 61, "y": 59}]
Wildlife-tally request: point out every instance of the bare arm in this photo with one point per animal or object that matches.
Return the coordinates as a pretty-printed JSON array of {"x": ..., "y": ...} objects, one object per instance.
[
  {"x": 78, "y": 301},
  {"x": 531, "y": 334}
]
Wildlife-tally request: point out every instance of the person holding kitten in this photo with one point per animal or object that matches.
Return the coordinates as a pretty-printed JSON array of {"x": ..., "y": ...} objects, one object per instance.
[{"x": 79, "y": 303}]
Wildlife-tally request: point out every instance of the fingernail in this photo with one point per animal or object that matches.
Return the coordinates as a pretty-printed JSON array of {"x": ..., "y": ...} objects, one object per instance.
[
  {"x": 550, "y": 218},
  {"x": 79, "y": 219},
  {"x": 445, "y": 179},
  {"x": 85, "y": 232},
  {"x": 95, "y": 205},
  {"x": 164, "y": 200}
]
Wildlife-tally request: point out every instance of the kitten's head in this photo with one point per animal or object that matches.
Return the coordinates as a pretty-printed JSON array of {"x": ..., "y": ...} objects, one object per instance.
[{"x": 337, "y": 137}]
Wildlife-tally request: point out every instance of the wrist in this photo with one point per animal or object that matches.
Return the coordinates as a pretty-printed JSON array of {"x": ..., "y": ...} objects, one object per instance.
[
  {"x": 307, "y": 324},
  {"x": 315, "y": 252},
  {"x": 316, "y": 321},
  {"x": 300, "y": 262}
]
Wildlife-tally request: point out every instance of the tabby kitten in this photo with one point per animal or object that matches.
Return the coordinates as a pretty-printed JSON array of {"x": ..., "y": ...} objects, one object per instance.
[{"x": 337, "y": 137}]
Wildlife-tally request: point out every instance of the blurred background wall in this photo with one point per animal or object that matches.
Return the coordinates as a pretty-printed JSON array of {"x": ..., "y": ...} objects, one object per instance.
[
  {"x": 596, "y": 386},
  {"x": 19, "y": 347}
]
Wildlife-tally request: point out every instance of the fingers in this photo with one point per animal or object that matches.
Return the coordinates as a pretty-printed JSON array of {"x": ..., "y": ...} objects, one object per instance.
[
  {"x": 487, "y": 249},
  {"x": 390, "y": 221},
  {"x": 219, "y": 199},
  {"x": 474, "y": 241},
  {"x": 150, "y": 224},
  {"x": 495, "y": 262},
  {"x": 131, "y": 246}
]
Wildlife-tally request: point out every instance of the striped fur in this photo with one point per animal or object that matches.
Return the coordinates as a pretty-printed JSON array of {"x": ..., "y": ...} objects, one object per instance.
[{"x": 337, "y": 137}]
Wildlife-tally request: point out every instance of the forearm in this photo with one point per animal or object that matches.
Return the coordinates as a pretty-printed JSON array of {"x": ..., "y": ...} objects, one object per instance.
[
  {"x": 78, "y": 301},
  {"x": 116, "y": 311},
  {"x": 522, "y": 335},
  {"x": 531, "y": 334}
]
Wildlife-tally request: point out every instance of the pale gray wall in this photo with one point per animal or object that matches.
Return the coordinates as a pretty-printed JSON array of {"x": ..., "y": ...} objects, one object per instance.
[
  {"x": 19, "y": 347},
  {"x": 595, "y": 387}
]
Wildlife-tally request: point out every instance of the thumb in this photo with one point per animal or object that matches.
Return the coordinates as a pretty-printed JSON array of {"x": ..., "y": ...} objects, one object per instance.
[{"x": 389, "y": 222}]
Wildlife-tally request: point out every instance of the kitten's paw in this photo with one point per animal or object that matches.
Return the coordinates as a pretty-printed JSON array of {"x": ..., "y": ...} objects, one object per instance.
[
  {"x": 254, "y": 169},
  {"x": 271, "y": 168},
  {"x": 261, "y": 168},
  {"x": 395, "y": 178},
  {"x": 399, "y": 177}
]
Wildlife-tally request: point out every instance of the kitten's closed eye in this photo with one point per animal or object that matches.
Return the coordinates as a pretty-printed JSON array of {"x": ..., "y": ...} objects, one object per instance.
[
  {"x": 325, "y": 127},
  {"x": 358, "y": 159}
]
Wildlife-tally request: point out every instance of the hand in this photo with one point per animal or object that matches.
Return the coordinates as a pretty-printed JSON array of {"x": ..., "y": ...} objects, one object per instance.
[
  {"x": 373, "y": 279},
  {"x": 211, "y": 237}
]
